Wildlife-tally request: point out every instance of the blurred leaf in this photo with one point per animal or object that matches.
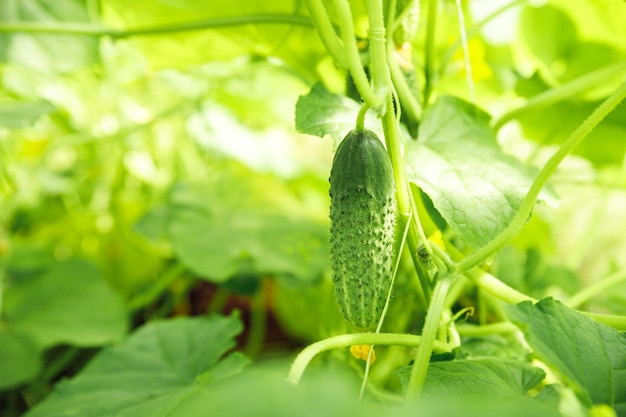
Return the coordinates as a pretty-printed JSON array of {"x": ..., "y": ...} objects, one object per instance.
[
  {"x": 66, "y": 302},
  {"x": 332, "y": 394},
  {"x": 50, "y": 52},
  {"x": 589, "y": 355},
  {"x": 488, "y": 377},
  {"x": 458, "y": 163},
  {"x": 604, "y": 144},
  {"x": 295, "y": 44},
  {"x": 151, "y": 372},
  {"x": 548, "y": 33},
  {"x": 22, "y": 114},
  {"x": 19, "y": 357},
  {"x": 218, "y": 228}
]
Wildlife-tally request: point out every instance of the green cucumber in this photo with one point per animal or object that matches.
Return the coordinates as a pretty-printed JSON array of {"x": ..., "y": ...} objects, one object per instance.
[{"x": 362, "y": 231}]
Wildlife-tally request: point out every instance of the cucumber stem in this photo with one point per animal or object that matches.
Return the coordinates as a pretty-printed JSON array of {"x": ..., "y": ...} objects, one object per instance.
[
  {"x": 390, "y": 128},
  {"x": 86, "y": 29},
  {"x": 524, "y": 212},
  {"x": 562, "y": 92},
  {"x": 355, "y": 66},
  {"x": 325, "y": 30},
  {"x": 429, "y": 333},
  {"x": 345, "y": 340}
]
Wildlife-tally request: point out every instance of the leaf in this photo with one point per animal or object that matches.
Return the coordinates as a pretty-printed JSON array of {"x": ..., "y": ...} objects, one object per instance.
[
  {"x": 458, "y": 164},
  {"x": 151, "y": 372},
  {"x": 22, "y": 114},
  {"x": 590, "y": 356},
  {"x": 218, "y": 229},
  {"x": 296, "y": 44},
  {"x": 489, "y": 377},
  {"x": 321, "y": 112},
  {"x": 50, "y": 52},
  {"x": 66, "y": 302},
  {"x": 19, "y": 357}
]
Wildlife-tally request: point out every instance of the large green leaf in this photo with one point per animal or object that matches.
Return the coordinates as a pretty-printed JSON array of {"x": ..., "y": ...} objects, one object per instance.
[
  {"x": 67, "y": 302},
  {"x": 150, "y": 373},
  {"x": 49, "y": 52},
  {"x": 295, "y": 43},
  {"x": 590, "y": 356},
  {"x": 490, "y": 377},
  {"x": 19, "y": 357},
  {"x": 220, "y": 227},
  {"x": 458, "y": 163}
]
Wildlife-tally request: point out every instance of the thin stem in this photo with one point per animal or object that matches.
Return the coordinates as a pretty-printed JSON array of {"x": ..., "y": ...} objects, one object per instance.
[
  {"x": 562, "y": 92},
  {"x": 596, "y": 288},
  {"x": 355, "y": 66},
  {"x": 360, "y": 118},
  {"x": 475, "y": 29},
  {"x": 429, "y": 333},
  {"x": 345, "y": 340},
  {"x": 393, "y": 279},
  {"x": 615, "y": 321},
  {"x": 470, "y": 330},
  {"x": 326, "y": 32},
  {"x": 390, "y": 128},
  {"x": 497, "y": 288},
  {"x": 429, "y": 51},
  {"x": 94, "y": 30},
  {"x": 466, "y": 54},
  {"x": 520, "y": 218}
]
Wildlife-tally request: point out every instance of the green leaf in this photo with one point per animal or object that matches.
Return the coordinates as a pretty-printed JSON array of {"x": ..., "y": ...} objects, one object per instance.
[
  {"x": 66, "y": 302},
  {"x": 490, "y": 377},
  {"x": 219, "y": 229},
  {"x": 19, "y": 357},
  {"x": 149, "y": 374},
  {"x": 21, "y": 114},
  {"x": 458, "y": 163},
  {"x": 296, "y": 44},
  {"x": 321, "y": 112},
  {"x": 590, "y": 356},
  {"x": 50, "y": 52}
]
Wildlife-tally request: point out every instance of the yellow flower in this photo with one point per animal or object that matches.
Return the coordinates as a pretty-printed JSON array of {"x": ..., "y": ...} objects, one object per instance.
[{"x": 362, "y": 352}]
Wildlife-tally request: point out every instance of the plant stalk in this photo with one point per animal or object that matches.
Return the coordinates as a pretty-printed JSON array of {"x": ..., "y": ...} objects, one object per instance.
[
  {"x": 525, "y": 210},
  {"x": 345, "y": 340}
]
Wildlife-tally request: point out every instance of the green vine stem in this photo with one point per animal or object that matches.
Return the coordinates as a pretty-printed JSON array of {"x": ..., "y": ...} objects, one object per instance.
[
  {"x": 486, "y": 329},
  {"x": 562, "y": 92},
  {"x": 509, "y": 295},
  {"x": 301, "y": 361},
  {"x": 325, "y": 31},
  {"x": 429, "y": 334},
  {"x": 524, "y": 212},
  {"x": 466, "y": 53},
  {"x": 378, "y": 49},
  {"x": 429, "y": 51},
  {"x": 355, "y": 66},
  {"x": 94, "y": 30},
  {"x": 597, "y": 288},
  {"x": 392, "y": 140}
]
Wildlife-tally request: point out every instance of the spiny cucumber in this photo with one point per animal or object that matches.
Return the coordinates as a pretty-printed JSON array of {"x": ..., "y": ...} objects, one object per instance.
[{"x": 362, "y": 232}]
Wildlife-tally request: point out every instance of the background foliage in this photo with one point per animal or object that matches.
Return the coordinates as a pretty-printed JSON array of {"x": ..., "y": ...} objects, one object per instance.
[{"x": 157, "y": 160}]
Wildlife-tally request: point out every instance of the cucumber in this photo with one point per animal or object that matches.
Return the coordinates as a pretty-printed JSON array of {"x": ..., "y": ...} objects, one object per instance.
[{"x": 362, "y": 231}]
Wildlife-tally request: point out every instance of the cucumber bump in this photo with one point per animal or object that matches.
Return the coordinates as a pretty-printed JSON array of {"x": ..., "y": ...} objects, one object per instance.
[{"x": 362, "y": 231}]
